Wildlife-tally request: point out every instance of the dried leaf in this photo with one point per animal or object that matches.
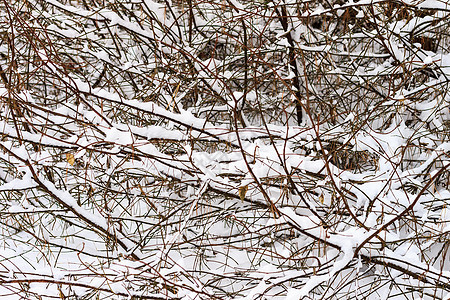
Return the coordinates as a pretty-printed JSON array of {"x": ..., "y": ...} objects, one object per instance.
[
  {"x": 242, "y": 191},
  {"x": 70, "y": 158}
]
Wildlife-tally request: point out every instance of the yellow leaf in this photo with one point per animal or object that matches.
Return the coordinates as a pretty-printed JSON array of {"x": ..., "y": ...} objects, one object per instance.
[
  {"x": 242, "y": 191},
  {"x": 321, "y": 198},
  {"x": 70, "y": 158}
]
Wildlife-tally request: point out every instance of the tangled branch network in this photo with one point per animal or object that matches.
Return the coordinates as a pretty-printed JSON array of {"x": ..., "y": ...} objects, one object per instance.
[{"x": 224, "y": 149}]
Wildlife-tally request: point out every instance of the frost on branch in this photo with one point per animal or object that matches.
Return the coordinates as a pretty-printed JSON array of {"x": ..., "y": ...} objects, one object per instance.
[{"x": 224, "y": 149}]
